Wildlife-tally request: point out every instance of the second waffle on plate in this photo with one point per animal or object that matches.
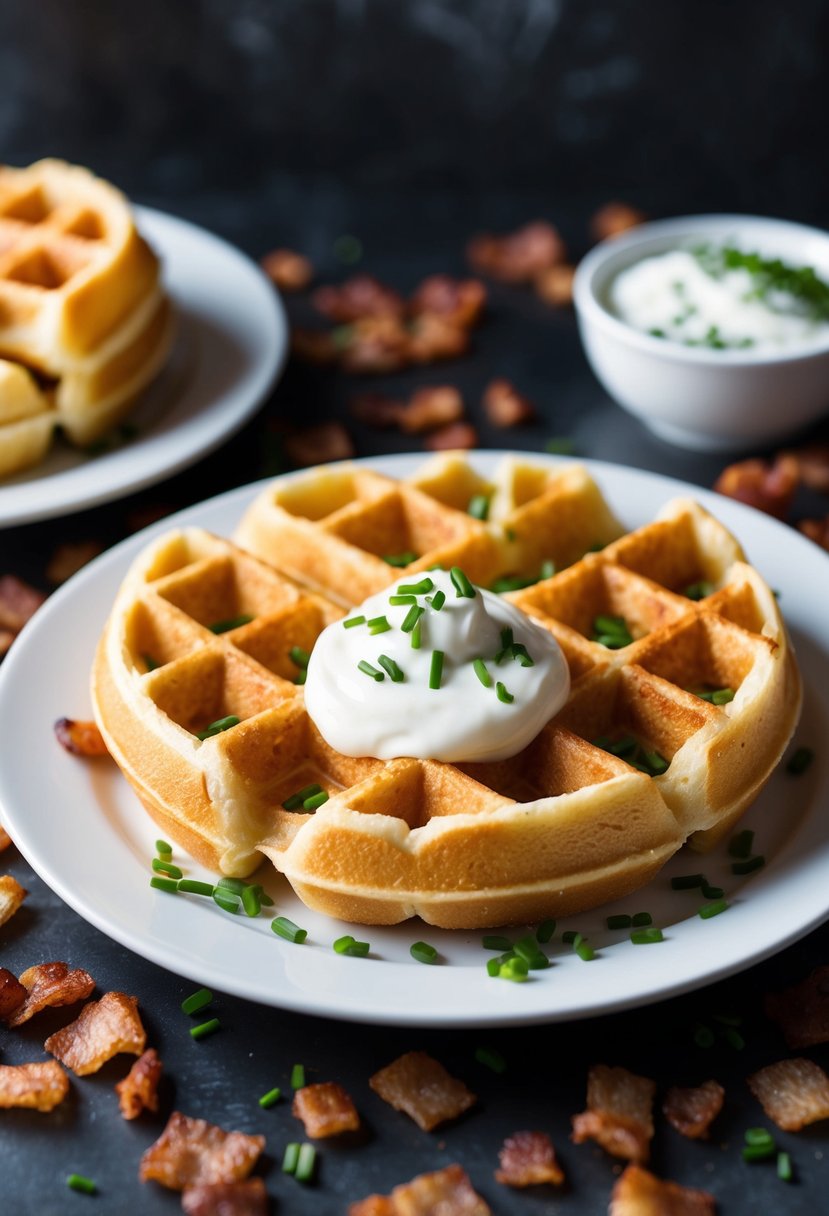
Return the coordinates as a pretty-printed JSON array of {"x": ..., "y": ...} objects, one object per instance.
[{"x": 683, "y": 694}]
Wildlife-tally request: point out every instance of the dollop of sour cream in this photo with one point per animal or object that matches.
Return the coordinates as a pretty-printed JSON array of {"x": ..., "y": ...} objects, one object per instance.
[
  {"x": 673, "y": 296},
  {"x": 485, "y": 710}
]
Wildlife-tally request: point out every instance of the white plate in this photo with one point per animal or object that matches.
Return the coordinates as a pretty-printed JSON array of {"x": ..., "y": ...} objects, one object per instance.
[
  {"x": 231, "y": 342},
  {"x": 82, "y": 829}
]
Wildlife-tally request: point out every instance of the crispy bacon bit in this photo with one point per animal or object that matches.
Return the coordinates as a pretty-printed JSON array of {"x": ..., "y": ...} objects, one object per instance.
[
  {"x": 373, "y": 345},
  {"x": 555, "y": 286},
  {"x": 433, "y": 337},
  {"x": 431, "y": 407},
  {"x": 49, "y": 985},
  {"x": 68, "y": 559},
  {"x": 459, "y": 436},
  {"x": 139, "y": 1089},
  {"x": 792, "y": 1093},
  {"x": 692, "y": 1111},
  {"x": 190, "y": 1152},
  {"x": 769, "y": 488},
  {"x": 421, "y": 1087},
  {"x": 11, "y": 897},
  {"x": 446, "y": 1192},
  {"x": 12, "y": 994},
  {"x": 287, "y": 270},
  {"x": 359, "y": 297},
  {"x": 35, "y": 1086},
  {"x": 80, "y": 737},
  {"x": 640, "y": 1193},
  {"x": 615, "y": 218},
  {"x": 314, "y": 346},
  {"x": 527, "y": 1159},
  {"x": 247, "y": 1198},
  {"x": 813, "y": 463},
  {"x": 5, "y": 838},
  {"x": 460, "y": 301},
  {"x": 619, "y": 1112},
  {"x": 802, "y": 1012},
  {"x": 376, "y": 409},
  {"x": 325, "y": 1109},
  {"x": 504, "y": 406},
  {"x": 816, "y": 530},
  {"x": 517, "y": 257},
  {"x": 319, "y": 444},
  {"x": 102, "y": 1030},
  {"x": 18, "y": 602}
]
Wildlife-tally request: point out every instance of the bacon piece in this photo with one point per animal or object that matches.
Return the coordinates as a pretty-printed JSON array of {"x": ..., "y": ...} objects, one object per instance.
[
  {"x": 504, "y": 406},
  {"x": 80, "y": 737},
  {"x": 816, "y": 530},
  {"x": 619, "y": 1113},
  {"x": 640, "y": 1193},
  {"x": 358, "y": 297},
  {"x": 11, "y": 897},
  {"x": 813, "y": 464},
  {"x": 555, "y": 286},
  {"x": 376, "y": 409},
  {"x": 139, "y": 1089},
  {"x": 431, "y": 407},
  {"x": 12, "y": 994},
  {"x": 460, "y": 301},
  {"x": 517, "y": 257},
  {"x": 39, "y": 1086},
  {"x": 421, "y": 1087},
  {"x": 433, "y": 337},
  {"x": 314, "y": 346},
  {"x": 446, "y": 1192},
  {"x": 5, "y": 838},
  {"x": 456, "y": 437},
  {"x": 18, "y": 602},
  {"x": 319, "y": 444},
  {"x": 527, "y": 1159},
  {"x": 372, "y": 345},
  {"x": 768, "y": 487},
  {"x": 190, "y": 1152},
  {"x": 793, "y": 1093},
  {"x": 247, "y": 1198},
  {"x": 287, "y": 270},
  {"x": 102, "y": 1030},
  {"x": 802, "y": 1012},
  {"x": 68, "y": 559},
  {"x": 692, "y": 1111},
  {"x": 325, "y": 1109},
  {"x": 615, "y": 218},
  {"x": 49, "y": 985}
]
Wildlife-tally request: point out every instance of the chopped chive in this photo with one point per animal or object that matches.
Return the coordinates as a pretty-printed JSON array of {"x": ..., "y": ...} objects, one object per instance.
[
  {"x": 514, "y": 969},
  {"x": 436, "y": 669},
  {"x": 758, "y": 1135},
  {"x": 527, "y": 948},
  {"x": 479, "y": 506},
  {"x": 784, "y": 1167},
  {"x": 490, "y": 1058},
  {"x": 298, "y": 1076},
  {"x": 462, "y": 585},
  {"x": 352, "y": 621},
  {"x": 545, "y": 931},
  {"x": 205, "y": 1028},
  {"x": 197, "y": 1001},
  {"x": 687, "y": 882},
  {"x": 251, "y": 902},
  {"x": 235, "y": 885},
  {"x": 438, "y": 600},
  {"x": 585, "y": 952},
  {"x": 354, "y": 949},
  {"x": 290, "y": 1158},
  {"x": 501, "y": 693},
  {"x": 315, "y": 801},
  {"x": 759, "y": 1152},
  {"x": 653, "y": 763},
  {"x": 506, "y": 645},
  {"x": 519, "y": 652},
  {"x": 400, "y": 559},
  {"x": 698, "y": 591},
  {"x": 710, "y": 892},
  {"x": 546, "y": 570},
  {"x": 296, "y": 800},
  {"x": 227, "y": 901},
  {"x": 569, "y": 936},
  {"x": 270, "y": 1098},
  {"x": 163, "y": 884},
  {"x": 301, "y": 676},
  {"x": 163, "y": 848},
  {"x": 411, "y": 618},
  {"x": 714, "y": 909},
  {"x": 370, "y": 670},
  {"x": 287, "y": 929},
  {"x": 416, "y": 637},
  {"x": 397, "y": 601},
  {"x": 299, "y": 656},
  {"x": 740, "y": 845},
  {"x": 621, "y": 921},
  {"x": 193, "y": 887},
  {"x": 77, "y": 1182},
  {"x": 703, "y": 1036},
  {"x": 389, "y": 666},
  {"x": 749, "y": 865},
  {"x": 378, "y": 624},
  {"x": 305, "y": 1163},
  {"x": 481, "y": 672},
  {"x": 800, "y": 761},
  {"x": 716, "y": 696},
  {"x": 510, "y": 582},
  {"x": 216, "y": 728},
  {"x": 640, "y": 919},
  {"x": 611, "y": 631},
  {"x": 166, "y": 867},
  {"x": 646, "y": 937},
  {"x": 422, "y": 588},
  {"x": 493, "y": 968},
  {"x": 264, "y": 899},
  {"x": 493, "y": 941},
  {"x": 235, "y": 622},
  {"x": 422, "y": 952}
]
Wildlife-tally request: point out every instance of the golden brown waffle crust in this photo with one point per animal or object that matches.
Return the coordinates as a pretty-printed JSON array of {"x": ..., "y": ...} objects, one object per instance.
[{"x": 564, "y": 826}]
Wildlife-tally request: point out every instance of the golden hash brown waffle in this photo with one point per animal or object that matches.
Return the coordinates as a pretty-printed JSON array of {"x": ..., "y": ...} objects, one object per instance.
[
  {"x": 564, "y": 825},
  {"x": 27, "y": 419}
]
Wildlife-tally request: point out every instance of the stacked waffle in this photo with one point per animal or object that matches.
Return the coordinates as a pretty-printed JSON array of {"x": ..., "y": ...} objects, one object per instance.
[
  {"x": 570, "y": 822},
  {"x": 81, "y": 307}
]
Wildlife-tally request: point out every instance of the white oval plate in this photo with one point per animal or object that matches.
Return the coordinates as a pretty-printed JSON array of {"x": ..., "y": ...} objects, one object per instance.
[
  {"x": 231, "y": 342},
  {"x": 81, "y": 827}
]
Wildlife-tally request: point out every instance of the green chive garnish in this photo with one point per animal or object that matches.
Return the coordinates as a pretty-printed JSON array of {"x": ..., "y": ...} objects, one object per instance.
[
  {"x": 77, "y": 1182},
  {"x": 547, "y": 570},
  {"x": 351, "y": 621},
  {"x": 397, "y": 601},
  {"x": 422, "y": 952},
  {"x": 193, "y": 887},
  {"x": 287, "y": 929},
  {"x": 749, "y": 865},
  {"x": 391, "y": 668},
  {"x": 205, "y": 1028},
  {"x": 800, "y": 761},
  {"x": 400, "y": 559},
  {"x": 519, "y": 652},
  {"x": 493, "y": 968},
  {"x": 436, "y": 669},
  {"x": 166, "y": 867},
  {"x": 411, "y": 618},
  {"x": 305, "y": 1163},
  {"x": 639, "y": 919},
  {"x": 301, "y": 676},
  {"x": 226, "y": 900},
  {"x": 545, "y": 931},
  {"x": 163, "y": 848},
  {"x": 619, "y": 922},
  {"x": 422, "y": 588},
  {"x": 740, "y": 845},
  {"x": 290, "y": 1158},
  {"x": 354, "y": 949},
  {"x": 235, "y": 622},
  {"x": 527, "y": 948},
  {"x": 710, "y": 892},
  {"x": 163, "y": 884},
  {"x": 611, "y": 631},
  {"x": 251, "y": 902},
  {"x": 514, "y": 969},
  {"x": 370, "y": 670},
  {"x": 197, "y": 1001},
  {"x": 270, "y": 1098},
  {"x": 687, "y": 882},
  {"x": 646, "y": 937},
  {"x": 493, "y": 941},
  {"x": 759, "y": 1152},
  {"x": 216, "y": 728},
  {"x": 462, "y": 585},
  {"x": 716, "y": 696},
  {"x": 491, "y": 1059},
  {"x": 298, "y": 1076},
  {"x": 299, "y": 656},
  {"x": 569, "y": 936},
  {"x": 510, "y": 582},
  {"x": 698, "y": 591},
  {"x": 714, "y": 909},
  {"x": 506, "y": 645},
  {"x": 502, "y": 694},
  {"x": 296, "y": 800},
  {"x": 585, "y": 952},
  {"x": 378, "y": 624},
  {"x": 315, "y": 801},
  {"x": 416, "y": 637},
  {"x": 234, "y": 885},
  {"x": 478, "y": 506},
  {"x": 481, "y": 672},
  {"x": 437, "y": 601},
  {"x": 784, "y": 1167}
]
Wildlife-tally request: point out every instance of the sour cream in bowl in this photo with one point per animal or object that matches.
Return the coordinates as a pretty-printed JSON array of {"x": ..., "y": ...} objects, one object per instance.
[{"x": 713, "y": 330}]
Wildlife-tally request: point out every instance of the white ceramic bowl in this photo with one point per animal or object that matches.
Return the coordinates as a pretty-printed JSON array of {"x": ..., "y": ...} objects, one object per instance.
[{"x": 693, "y": 396}]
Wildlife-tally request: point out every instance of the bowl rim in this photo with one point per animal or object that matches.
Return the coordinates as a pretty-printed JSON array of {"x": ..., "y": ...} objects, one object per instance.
[{"x": 590, "y": 308}]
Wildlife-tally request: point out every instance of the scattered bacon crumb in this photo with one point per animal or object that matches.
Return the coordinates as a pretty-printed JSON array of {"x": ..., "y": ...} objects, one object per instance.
[
  {"x": 319, "y": 444},
  {"x": 376, "y": 409},
  {"x": 68, "y": 559},
  {"x": 446, "y": 1192},
  {"x": 768, "y": 487},
  {"x": 640, "y": 1193},
  {"x": 326, "y": 1109},
  {"x": 12, "y": 993},
  {"x": 459, "y": 436},
  {"x": 792, "y": 1093},
  {"x": 35, "y": 1086},
  {"x": 11, "y": 897},
  {"x": 461, "y": 301},
  {"x": 619, "y": 1112},
  {"x": 431, "y": 407},
  {"x": 80, "y": 737},
  {"x": 555, "y": 286},
  {"x": 373, "y": 345},
  {"x": 190, "y": 1152},
  {"x": 314, "y": 346},
  {"x": 615, "y": 218},
  {"x": 102, "y": 1030},
  {"x": 5, "y": 838},
  {"x": 359, "y": 297},
  {"x": 245, "y": 1198},
  {"x": 139, "y": 1089},
  {"x": 816, "y": 530},
  {"x": 517, "y": 257},
  {"x": 692, "y": 1111},
  {"x": 433, "y": 337},
  {"x": 18, "y": 602},
  {"x": 287, "y": 270},
  {"x": 421, "y": 1087},
  {"x": 527, "y": 1159},
  {"x": 504, "y": 406},
  {"x": 813, "y": 464},
  {"x": 49, "y": 985},
  {"x": 802, "y": 1012}
]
